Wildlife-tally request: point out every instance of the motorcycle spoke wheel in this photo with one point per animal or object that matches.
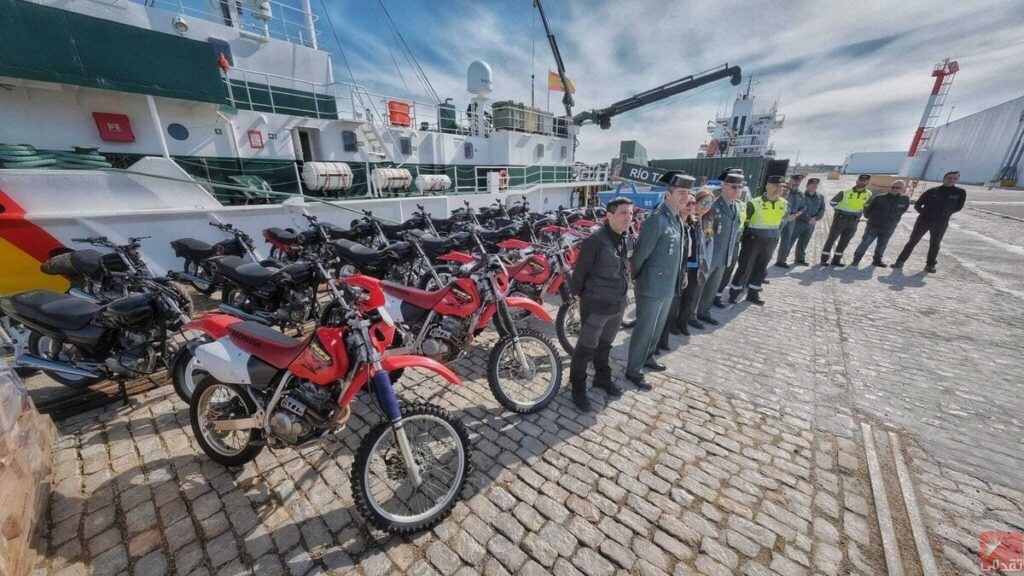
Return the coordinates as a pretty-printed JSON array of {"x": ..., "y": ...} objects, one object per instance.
[
  {"x": 524, "y": 389},
  {"x": 212, "y": 401},
  {"x": 204, "y": 286},
  {"x": 567, "y": 325},
  {"x": 381, "y": 483}
]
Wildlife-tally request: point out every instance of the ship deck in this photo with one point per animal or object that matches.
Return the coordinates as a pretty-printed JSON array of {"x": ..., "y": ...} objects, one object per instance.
[{"x": 762, "y": 448}]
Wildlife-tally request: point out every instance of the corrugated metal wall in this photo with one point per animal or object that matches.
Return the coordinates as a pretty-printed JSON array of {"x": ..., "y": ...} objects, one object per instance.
[{"x": 976, "y": 145}]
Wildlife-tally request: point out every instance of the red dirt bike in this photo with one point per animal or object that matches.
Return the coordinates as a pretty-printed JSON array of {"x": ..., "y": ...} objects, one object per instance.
[
  {"x": 266, "y": 389},
  {"x": 523, "y": 370}
]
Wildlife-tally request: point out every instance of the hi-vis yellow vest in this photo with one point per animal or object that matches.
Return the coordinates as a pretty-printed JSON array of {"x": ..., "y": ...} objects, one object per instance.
[
  {"x": 853, "y": 201},
  {"x": 767, "y": 215}
]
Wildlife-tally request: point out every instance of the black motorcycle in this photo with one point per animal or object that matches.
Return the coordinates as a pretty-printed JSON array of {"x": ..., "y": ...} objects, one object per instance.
[
  {"x": 195, "y": 252},
  {"x": 78, "y": 342},
  {"x": 97, "y": 276}
]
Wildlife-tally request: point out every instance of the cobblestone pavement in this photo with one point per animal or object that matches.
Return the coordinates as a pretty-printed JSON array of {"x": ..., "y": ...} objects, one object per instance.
[{"x": 746, "y": 458}]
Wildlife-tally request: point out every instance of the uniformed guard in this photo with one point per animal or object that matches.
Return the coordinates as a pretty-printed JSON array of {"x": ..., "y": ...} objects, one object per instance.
[
  {"x": 760, "y": 236},
  {"x": 795, "y": 202},
  {"x": 656, "y": 263},
  {"x": 725, "y": 245},
  {"x": 849, "y": 205},
  {"x": 730, "y": 268}
]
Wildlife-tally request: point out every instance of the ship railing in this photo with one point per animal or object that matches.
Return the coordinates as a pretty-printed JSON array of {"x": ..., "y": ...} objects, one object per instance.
[
  {"x": 255, "y": 90},
  {"x": 280, "y": 21}
]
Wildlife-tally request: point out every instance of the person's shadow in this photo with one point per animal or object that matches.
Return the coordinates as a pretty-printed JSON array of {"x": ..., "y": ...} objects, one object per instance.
[
  {"x": 897, "y": 280},
  {"x": 851, "y": 274}
]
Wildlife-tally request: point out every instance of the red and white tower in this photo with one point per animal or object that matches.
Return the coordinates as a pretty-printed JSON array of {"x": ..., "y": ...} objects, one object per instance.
[{"x": 943, "y": 73}]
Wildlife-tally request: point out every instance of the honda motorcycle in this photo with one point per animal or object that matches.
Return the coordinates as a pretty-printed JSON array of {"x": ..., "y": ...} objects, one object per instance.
[
  {"x": 523, "y": 370},
  {"x": 266, "y": 389}
]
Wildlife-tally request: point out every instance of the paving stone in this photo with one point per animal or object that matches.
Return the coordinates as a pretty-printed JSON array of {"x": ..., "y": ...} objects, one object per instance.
[
  {"x": 222, "y": 549},
  {"x": 591, "y": 563},
  {"x": 508, "y": 553},
  {"x": 539, "y": 550},
  {"x": 786, "y": 567},
  {"x": 467, "y": 548},
  {"x": 559, "y": 538},
  {"x": 442, "y": 557},
  {"x": 649, "y": 551},
  {"x": 707, "y": 565}
]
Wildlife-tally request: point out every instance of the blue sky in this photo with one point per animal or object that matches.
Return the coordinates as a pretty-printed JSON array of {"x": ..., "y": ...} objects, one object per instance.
[{"x": 849, "y": 76}]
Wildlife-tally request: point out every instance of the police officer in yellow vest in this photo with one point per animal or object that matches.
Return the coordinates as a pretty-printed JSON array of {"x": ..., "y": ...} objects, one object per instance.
[
  {"x": 849, "y": 205},
  {"x": 765, "y": 215}
]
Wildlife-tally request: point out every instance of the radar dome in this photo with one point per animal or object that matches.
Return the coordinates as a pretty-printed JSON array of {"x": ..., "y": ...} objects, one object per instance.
[{"x": 478, "y": 78}]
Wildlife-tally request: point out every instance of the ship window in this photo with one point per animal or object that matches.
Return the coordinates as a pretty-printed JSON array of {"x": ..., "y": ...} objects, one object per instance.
[
  {"x": 348, "y": 141},
  {"x": 405, "y": 145},
  {"x": 177, "y": 131},
  {"x": 565, "y": 152},
  {"x": 467, "y": 149},
  {"x": 540, "y": 150}
]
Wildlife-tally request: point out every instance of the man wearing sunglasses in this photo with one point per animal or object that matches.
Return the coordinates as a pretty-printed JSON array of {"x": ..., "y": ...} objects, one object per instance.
[
  {"x": 883, "y": 213},
  {"x": 725, "y": 245},
  {"x": 765, "y": 215}
]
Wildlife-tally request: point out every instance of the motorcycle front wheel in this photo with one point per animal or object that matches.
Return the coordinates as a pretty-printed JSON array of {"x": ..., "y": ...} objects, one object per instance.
[
  {"x": 214, "y": 400},
  {"x": 567, "y": 325},
  {"x": 524, "y": 389},
  {"x": 381, "y": 485}
]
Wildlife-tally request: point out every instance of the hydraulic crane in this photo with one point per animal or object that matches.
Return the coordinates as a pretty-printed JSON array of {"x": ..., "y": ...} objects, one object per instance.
[{"x": 603, "y": 117}]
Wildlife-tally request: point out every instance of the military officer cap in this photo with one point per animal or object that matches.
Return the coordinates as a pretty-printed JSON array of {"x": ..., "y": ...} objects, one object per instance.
[
  {"x": 864, "y": 177},
  {"x": 730, "y": 171},
  {"x": 797, "y": 177},
  {"x": 677, "y": 179},
  {"x": 732, "y": 179},
  {"x": 776, "y": 179},
  {"x": 813, "y": 180}
]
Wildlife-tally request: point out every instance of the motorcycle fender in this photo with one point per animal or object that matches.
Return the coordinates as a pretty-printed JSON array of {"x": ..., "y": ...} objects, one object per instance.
[
  {"x": 224, "y": 361},
  {"x": 556, "y": 284},
  {"x": 513, "y": 244},
  {"x": 530, "y": 306},
  {"x": 460, "y": 257},
  {"x": 213, "y": 325},
  {"x": 392, "y": 363}
]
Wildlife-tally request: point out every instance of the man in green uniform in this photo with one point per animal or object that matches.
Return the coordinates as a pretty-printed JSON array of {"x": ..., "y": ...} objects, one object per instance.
[
  {"x": 849, "y": 205},
  {"x": 656, "y": 263},
  {"x": 765, "y": 215}
]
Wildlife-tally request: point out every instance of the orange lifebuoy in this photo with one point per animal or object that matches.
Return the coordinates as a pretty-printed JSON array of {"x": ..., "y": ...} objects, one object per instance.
[{"x": 502, "y": 179}]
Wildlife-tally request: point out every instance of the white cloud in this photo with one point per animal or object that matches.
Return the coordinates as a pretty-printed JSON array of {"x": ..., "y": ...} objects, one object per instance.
[{"x": 836, "y": 98}]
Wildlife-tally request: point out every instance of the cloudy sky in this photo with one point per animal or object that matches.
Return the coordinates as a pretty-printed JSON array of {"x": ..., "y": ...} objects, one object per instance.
[{"x": 849, "y": 76}]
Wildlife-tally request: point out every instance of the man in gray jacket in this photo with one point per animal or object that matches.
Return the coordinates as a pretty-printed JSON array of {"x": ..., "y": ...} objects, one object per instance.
[
  {"x": 812, "y": 208},
  {"x": 795, "y": 202},
  {"x": 656, "y": 266},
  {"x": 725, "y": 245},
  {"x": 600, "y": 280}
]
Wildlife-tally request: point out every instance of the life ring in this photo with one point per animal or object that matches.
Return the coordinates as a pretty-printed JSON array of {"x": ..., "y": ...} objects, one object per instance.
[{"x": 502, "y": 179}]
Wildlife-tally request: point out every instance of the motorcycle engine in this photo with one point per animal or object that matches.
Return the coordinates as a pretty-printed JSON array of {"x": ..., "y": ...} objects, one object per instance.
[
  {"x": 444, "y": 340},
  {"x": 294, "y": 309},
  {"x": 300, "y": 412},
  {"x": 136, "y": 354}
]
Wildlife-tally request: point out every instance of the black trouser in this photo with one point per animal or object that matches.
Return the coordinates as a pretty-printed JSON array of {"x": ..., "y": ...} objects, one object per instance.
[
  {"x": 936, "y": 229},
  {"x": 844, "y": 227},
  {"x": 755, "y": 255},
  {"x": 598, "y": 326},
  {"x": 683, "y": 307},
  {"x": 729, "y": 270}
]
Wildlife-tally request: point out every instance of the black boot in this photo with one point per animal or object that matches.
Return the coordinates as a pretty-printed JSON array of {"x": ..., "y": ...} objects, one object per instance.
[
  {"x": 734, "y": 295},
  {"x": 837, "y": 260},
  {"x": 581, "y": 358},
  {"x": 754, "y": 298},
  {"x": 718, "y": 302},
  {"x": 603, "y": 370}
]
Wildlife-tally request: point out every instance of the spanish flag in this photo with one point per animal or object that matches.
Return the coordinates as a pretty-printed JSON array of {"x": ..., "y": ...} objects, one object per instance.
[{"x": 555, "y": 83}]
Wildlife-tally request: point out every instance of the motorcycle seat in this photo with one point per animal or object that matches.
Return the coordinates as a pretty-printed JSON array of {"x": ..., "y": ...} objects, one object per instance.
[
  {"x": 51, "y": 309},
  {"x": 191, "y": 248},
  {"x": 281, "y": 235},
  {"x": 266, "y": 343},
  {"x": 243, "y": 271},
  {"x": 355, "y": 252}
]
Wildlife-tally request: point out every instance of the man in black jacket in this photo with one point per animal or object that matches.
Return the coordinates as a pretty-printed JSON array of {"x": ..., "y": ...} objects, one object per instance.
[
  {"x": 934, "y": 208},
  {"x": 883, "y": 213},
  {"x": 600, "y": 278}
]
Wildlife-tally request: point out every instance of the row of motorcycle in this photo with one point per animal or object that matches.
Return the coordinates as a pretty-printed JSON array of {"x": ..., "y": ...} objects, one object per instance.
[{"x": 382, "y": 297}]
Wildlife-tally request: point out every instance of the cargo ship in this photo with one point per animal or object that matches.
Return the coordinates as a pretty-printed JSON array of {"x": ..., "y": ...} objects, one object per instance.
[{"x": 744, "y": 132}]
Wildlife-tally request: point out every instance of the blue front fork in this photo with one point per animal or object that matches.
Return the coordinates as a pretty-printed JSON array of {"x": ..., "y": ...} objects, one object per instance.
[{"x": 386, "y": 398}]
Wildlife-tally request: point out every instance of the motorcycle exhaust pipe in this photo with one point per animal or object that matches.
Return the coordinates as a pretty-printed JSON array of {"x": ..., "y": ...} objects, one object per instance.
[
  {"x": 242, "y": 314},
  {"x": 29, "y": 361},
  {"x": 192, "y": 278},
  {"x": 79, "y": 293}
]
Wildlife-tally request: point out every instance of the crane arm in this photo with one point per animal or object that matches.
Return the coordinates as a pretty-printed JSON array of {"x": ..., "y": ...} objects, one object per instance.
[
  {"x": 603, "y": 117},
  {"x": 567, "y": 98}
]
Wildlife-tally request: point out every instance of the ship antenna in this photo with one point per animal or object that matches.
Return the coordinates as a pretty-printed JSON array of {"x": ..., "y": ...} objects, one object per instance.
[{"x": 341, "y": 49}]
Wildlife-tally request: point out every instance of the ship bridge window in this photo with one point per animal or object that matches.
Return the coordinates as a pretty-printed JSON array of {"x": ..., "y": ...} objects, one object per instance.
[
  {"x": 349, "y": 142},
  {"x": 564, "y": 152},
  {"x": 467, "y": 150},
  {"x": 540, "y": 150},
  {"x": 405, "y": 145}
]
